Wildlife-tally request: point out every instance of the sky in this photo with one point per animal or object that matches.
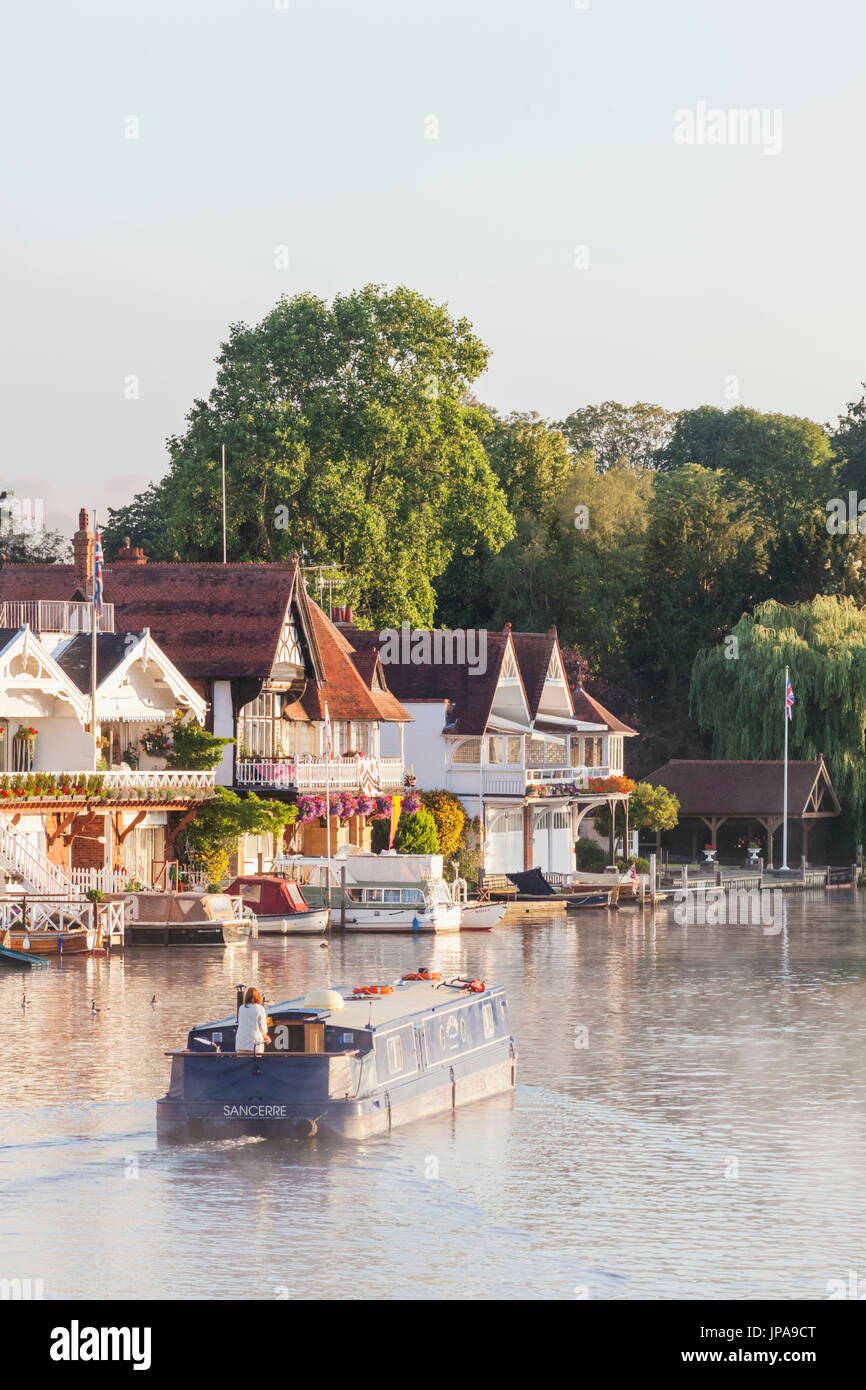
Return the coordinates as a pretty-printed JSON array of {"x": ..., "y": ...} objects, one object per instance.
[{"x": 552, "y": 170}]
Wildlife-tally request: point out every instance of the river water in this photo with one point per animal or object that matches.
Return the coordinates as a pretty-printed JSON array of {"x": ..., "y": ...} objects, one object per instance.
[{"x": 689, "y": 1123}]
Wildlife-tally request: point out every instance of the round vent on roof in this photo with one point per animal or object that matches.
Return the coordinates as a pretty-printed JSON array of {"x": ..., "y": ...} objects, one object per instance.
[{"x": 324, "y": 999}]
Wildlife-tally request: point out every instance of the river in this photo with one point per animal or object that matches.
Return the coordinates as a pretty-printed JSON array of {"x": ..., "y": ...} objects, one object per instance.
[{"x": 689, "y": 1123}]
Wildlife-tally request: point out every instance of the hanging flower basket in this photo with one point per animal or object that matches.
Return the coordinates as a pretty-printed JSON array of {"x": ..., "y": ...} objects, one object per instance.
[
  {"x": 156, "y": 743},
  {"x": 26, "y": 733}
]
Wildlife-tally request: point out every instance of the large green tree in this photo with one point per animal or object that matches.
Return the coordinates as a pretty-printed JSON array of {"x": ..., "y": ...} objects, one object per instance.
[
  {"x": 350, "y": 435},
  {"x": 628, "y": 435},
  {"x": 737, "y": 691}
]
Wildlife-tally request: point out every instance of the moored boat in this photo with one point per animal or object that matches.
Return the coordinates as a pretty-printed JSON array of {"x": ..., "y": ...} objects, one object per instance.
[
  {"x": 353, "y": 1062},
  {"x": 15, "y": 959},
  {"x": 384, "y": 892},
  {"x": 53, "y": 940},
  {"x": 279, "y": 906},
  {"x": 476, "y": 915},
  {"x": 185, "y": 919}
]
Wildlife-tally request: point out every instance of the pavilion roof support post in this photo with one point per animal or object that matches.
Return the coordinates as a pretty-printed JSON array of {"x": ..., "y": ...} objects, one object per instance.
[
  {"x": 611, "y": 806},
  {"x": 771, "y": 825}
]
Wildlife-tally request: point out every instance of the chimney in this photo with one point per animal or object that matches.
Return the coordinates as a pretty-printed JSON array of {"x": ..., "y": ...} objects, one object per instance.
[
  {"x": 82, "y": 549},
  {"x": 130, "y": 554}
]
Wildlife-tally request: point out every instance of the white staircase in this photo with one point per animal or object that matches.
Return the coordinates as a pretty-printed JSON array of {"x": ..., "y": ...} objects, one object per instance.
[{"x": 37, "y": 871}]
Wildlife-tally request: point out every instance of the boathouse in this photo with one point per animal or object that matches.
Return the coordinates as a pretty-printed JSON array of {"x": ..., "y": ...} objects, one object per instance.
[{"x": 728, "y": 804}]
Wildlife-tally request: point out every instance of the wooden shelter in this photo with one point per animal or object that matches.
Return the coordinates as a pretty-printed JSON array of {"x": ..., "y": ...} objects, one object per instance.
[{"x": 716, "y": 791}]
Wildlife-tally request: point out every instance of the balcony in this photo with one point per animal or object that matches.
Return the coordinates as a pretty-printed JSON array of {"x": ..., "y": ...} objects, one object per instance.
[
  {"x": 92, "y": 789},
  {"x": 463, "y": 778},
  {"x": 344, "y": 774},
  {"x": 54, "y": 615}
]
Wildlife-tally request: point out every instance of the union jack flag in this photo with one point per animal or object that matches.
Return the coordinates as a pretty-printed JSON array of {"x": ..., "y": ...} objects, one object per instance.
[
  {"x": 789, "y": 699},
  {"x": 97, "y": 575}
]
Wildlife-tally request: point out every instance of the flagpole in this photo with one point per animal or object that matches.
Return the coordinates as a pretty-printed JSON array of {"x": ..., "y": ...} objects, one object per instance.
[
  {"x": 224, "y": 502},
  {"x": 94, "y": 623},
  {"x": 328, "y": 801},
  {"x": 784, "y": 864}
]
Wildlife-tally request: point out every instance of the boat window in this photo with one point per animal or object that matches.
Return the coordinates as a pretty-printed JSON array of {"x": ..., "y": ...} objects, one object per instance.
[
  {"x": 412, "y": 895},
  {"x": 487, "y": 1015},
  {"x": 391, "y": 895},
  {"x": 373, "y": 895},
  {"x": 395, "y": 1054}
]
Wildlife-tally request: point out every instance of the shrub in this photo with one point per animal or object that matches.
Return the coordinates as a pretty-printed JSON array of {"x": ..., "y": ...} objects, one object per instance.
[
  {"x": 590, "y": 856},
  {"x": 450, "y": 817}
]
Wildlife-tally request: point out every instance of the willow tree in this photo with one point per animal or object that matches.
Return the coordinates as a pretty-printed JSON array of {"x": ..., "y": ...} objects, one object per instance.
[{"x": 737, "y": 689}]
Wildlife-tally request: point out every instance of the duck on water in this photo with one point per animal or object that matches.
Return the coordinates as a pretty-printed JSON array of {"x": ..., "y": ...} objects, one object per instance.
[{"x": 347, "y": 1061}]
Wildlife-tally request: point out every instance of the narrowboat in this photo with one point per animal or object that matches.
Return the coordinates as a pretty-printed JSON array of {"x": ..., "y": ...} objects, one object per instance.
[
  {"x": 351, "y": 1062},
  {"x": 279, "y": 906},
  {"x": 186, "y": 919}
]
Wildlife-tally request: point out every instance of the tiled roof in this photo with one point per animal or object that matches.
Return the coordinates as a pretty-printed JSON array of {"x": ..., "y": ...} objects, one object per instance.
[
  {"x": 470, "y": 696},
  {"x": 730, "y": 788},
  {"x": 585, "y": 707},
  {"x": 75, "y": 657},
  {"x": 345, "y": 688},
  {"x": 533, "y": 651},
  {"x": 218, "y": 621}
]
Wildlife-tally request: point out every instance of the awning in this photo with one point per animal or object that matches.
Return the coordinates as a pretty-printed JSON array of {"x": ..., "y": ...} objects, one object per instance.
[{"x": 498, "y": 725}]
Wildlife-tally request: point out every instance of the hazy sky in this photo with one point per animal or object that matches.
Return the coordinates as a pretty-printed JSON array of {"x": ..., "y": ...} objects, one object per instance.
[{"x": 305, "y": 123}]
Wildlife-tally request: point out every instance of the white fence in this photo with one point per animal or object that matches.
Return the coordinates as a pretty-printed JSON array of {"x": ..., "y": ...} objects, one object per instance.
[
  {"x": 343, "y": 774},
  {"x": 145, "y": 781},
  {"x": 54, "y": 615}
]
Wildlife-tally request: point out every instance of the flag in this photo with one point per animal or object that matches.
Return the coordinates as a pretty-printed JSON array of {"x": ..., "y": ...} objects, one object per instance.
[
  {"x": 789, "y": 699},
  {"x": 395, "y": 816},
  {"x": 328, "y": 738},
  {"x": 633, "y": 874},
  {"x": 97, "y": 574}
]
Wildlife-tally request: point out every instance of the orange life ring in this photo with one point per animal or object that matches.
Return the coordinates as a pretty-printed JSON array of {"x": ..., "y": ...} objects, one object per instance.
[
  {"x": 374, "y": 989},
  {"x": 424, "y": 975}
]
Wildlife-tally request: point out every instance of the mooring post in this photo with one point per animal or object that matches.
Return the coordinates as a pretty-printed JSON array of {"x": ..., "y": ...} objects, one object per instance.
[
  {"x": 653, "y": 874},
  {"x": 342, "y": 900}
]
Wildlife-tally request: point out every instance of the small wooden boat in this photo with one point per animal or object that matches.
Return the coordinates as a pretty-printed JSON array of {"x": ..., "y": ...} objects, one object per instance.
[
  {"x": 50, "y": 940},
  {"x": 18, "y": 960},
  {"x": 186, "y": 919},
  {"x": 279, "y": 905}
]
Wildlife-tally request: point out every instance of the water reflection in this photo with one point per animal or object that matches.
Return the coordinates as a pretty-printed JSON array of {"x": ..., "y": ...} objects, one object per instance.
[{"x": 689, "y": 1123}]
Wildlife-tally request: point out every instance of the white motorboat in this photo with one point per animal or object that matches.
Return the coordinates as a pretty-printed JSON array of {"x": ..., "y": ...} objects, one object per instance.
[{"x": 384, "y": 892}]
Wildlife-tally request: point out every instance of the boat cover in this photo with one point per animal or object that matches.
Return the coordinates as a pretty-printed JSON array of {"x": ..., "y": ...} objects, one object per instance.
[
  {"x": 533, "y": 881},
  {"x": 269, "y": 896}
]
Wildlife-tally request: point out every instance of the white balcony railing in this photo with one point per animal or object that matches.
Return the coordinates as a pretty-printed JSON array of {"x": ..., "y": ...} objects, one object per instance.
[
  {"x": 344, "y": 774},
  {"x": 54, "y": 615},
  {"x": 510, "y": 781}
]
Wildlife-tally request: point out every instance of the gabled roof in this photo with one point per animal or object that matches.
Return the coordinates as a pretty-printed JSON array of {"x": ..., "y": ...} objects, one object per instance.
[
  {"x": 470, "y": 696},
  {"x": 345, "y": 687},
  {"x": 585, "y": 707},
  {"x": 116, "y": 652},
  {"x": 533, "y": 651},
  {"x": 212, "y": 621},
  {"x": 752, "y": 788},
  {"x": 24, "y": 641}
]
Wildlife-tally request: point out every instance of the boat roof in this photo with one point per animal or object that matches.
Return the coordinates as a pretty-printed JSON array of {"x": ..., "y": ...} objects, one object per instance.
[
  {"x": 162, "y": 909},
  {"x": 371, "y": 1011}
]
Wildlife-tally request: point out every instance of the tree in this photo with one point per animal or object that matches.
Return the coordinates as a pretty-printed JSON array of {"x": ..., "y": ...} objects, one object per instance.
[
  {"x": 220, "y": 822},
  {"x": 630, "y": 436},
  {"x": 788, "y": 465},
  {"x": 144, "y": 521},
  {"x": 23, "y": 541},
  {"x": 348, "y": 434},
  {"x": 705, "y": 555},
  {"x": 741, "y": 701},
  {"x": 653, "y": 808},
  {"x": 194, "y": 748}
]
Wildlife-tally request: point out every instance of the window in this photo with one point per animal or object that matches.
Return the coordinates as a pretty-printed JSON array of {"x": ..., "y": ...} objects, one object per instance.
[
  {"x": 510, "y": 822},
  {"x": 576, "y": 760},
  {"x": 392, "y": 895},
  {"x": 554, "y": 753},
  {"x": 514, "y": 753},
  {"x": 495, "y": 749},
  {"x": 592, "y": 752},
  {"x": 615, "y": 752},
  {"x": 467, "y": 751},
  {"x": 262, "y": 727},
  {"x": 561, "y": 820},
  {"x": 395, "y": 1054},
  {"x": 487, "y": 1016}
]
